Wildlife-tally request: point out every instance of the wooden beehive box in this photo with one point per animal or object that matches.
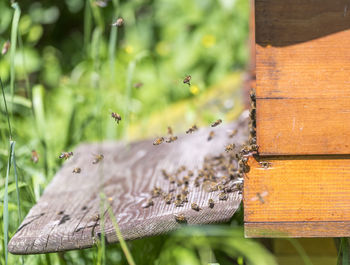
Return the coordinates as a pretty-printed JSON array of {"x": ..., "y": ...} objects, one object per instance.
[{"x": 302, "y": 50}]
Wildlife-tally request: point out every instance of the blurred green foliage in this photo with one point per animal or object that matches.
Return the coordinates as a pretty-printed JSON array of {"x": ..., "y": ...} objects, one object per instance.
[{"x": 72, "y": 68}]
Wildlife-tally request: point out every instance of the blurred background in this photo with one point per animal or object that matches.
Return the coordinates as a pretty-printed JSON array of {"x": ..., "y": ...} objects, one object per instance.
[{"x": 67, "y": 68}]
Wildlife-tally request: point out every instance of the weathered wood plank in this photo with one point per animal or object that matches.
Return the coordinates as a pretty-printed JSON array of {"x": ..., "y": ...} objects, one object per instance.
[
  {"x": 63, "y": 219},
  {"x": 303, "y": 76},
  {"x": 298, "y": 196},
  {"x": 303, "y": 126}
]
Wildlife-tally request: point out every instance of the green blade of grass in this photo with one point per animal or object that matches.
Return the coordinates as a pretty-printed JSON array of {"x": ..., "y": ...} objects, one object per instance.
[
  {"x": 120, "y": 237},
  {"x": 14, "y": 31},
  {"x": 301, "y": 251},
  {"x": 6, "y": 109},
  {"x": 344, "y": 244},
  {"x": 13, "y": 158},
  {"x": 87, "y": 26},
  {"x": 113, "y": 38}
]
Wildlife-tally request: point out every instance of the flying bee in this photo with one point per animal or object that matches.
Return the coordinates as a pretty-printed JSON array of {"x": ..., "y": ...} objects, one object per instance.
[
  {"x": 195, "y": 207},
  {"x": 171, "y": 139},
  {"x": 170, "y": 130},
  {"x": 148, "y": 203},
  {"x": 265, "y": 164},
  {"x": 260, "y": 196},
  {"x": 223, "y": 196},
  {"x": 158, "y": 141},
  {"x": 66, "y": 155},
  {"x": 118, "y": 23},
  {"x": 180, "y": 218},
  {"x": 35, "y": 157},
  {"x": 76, "y": 170},
  {"x": 6, "y": 47},
  {"x": 97, "y": 159},
  {"x": 211, "y": 135},
  {"x": 216, "y": 123},
  {"x": 116, "y": 117},
  {"x": 192, "y": 129},
  {"x": 233, "y": 133},
  {"x": 138, "y": 85},
  {"x": 211, "y": 203},
  {"x": 230, "y": 147},
  {"x": 187, "y": 80}
]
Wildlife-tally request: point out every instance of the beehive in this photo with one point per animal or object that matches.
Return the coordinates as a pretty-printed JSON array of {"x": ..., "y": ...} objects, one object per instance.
[{"x": 303, "y": 120}]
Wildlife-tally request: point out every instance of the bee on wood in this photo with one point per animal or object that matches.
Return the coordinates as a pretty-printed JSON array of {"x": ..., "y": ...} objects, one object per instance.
[
  {"x": 178, "y": 203},
  {"x": 156, "y": 192},
  {"x": 168, "y": 198},
  {"x": 183, "y": 198},
  {"x": 6, "y": 47},
  {"x": 148, "y": 203},
  {"x": 165, "y": 174},
  {"x": 97, "y": 159},
  {"x": 118, "y": 23},
  {"x": 210, "y": 136},
  {"x": 254, "y": 147},
  {"x": 138, "y": 85},
  {"x": 179, "y": 182},
  {"x": 76, "y": 170},
  {"x": 196, "y": 182},
  {"x": 116, "y": 117},
  {"x": 35, "y": 157},
  {"x": 232, "y": 133},
  {"x": 186, "y": 180},
  {"x": 230, "y": 147},
  {"x": 223, "y": 196},
  {"x": 184, "y": 191},
  {"x": 211, "y": 203},
  {"x": 66, "y": 155},
  {"x": 187, "y": 80},
  {"x": 96, "y": 217},
  {"x": 171, "y": 139},
  {"x": 158, "y": 141},
  {"x": 171, "y": 179},
  {"x": 180, "y": 218},
  {"x": 216, "y": 123},
  {"x": 265, "y": 164},
  {"x": 195, "y": 207},
  {"x": 192, "y": 129},
  {"x": 252, "y": 95}
]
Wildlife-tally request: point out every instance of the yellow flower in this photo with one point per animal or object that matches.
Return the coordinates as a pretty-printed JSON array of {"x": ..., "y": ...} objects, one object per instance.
[
  {"x": 194, "y": 89},
  {"x": 129, "y": 49},
  {"x": 162, "y": 48},
  {"x": 208, "y": 40}
]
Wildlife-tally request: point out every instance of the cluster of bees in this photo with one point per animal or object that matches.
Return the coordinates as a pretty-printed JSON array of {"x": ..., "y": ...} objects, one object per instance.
[{"x": 220, "y": 175}]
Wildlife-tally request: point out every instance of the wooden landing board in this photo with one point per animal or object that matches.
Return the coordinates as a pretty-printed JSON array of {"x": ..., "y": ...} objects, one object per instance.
[
  {"x": 298, "y": 197},
  {"x": 63, "y": 219},
  {"x": 303, "y": 76}
]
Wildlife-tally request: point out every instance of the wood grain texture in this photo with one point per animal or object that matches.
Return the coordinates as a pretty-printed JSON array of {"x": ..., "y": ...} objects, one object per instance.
[
  {"x": 303, "y": 126},
  {"x": 297, "y": 195},
  {"x": 303, "y": 76},
  {"x": 126, "y": 175}
]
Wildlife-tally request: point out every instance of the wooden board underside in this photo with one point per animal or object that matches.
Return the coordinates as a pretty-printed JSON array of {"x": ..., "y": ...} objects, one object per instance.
[
  {"x": 296, "y": 194},
  {"x": 303, "y": 76},
  {"x": 126, "y": 175}
]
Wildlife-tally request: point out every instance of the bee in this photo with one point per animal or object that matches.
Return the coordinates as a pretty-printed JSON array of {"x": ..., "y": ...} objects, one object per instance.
[
  {"x": 138, "y": 85},
  {"x": 190, "y": 173},
  {"x": 116, "y": 117},
  {"x": 76, "y": 170},
  {"x": 95, "y": 217},
  {"x": 216, "y": 123},
  {"x": 168, "y": 198},
  {"x": 148, "y": 203},
  {"x": 211, "y": 203},
  {"x": 184, "y": 191},
  {"x": 187, "y": 80},
  {"x": 171, "y": 180},
  {"x": 165, "y": 174},
  {"x": 118, "y": 23},
  {"x": 171, "y": 139},
  {"x": 66, "y": 155},
  {"x": 186, "y": 180},
  {"x": 170, "y": 130},
  {"x": 156, "y": 192},
  {"x": 6, "y": 47},
  {"x": 230, "y": 147},
  {"x": 192, "y": 129},
  {"x": 196, "y": 182},
  {"x": 35, "y": 157},
  {"x": 195, "y": 207},
  {"x": 223, "y": 196},
  {"x": 254, "y": 147},
  {"x": 183, "y": 198},
  {"x": 179, "y": 182},
  {"x": 260, "y": 196},
  {"x": 180, "y": 218},
  {"x": 158, "y": 141},
  {"x": 265, "y": 164},
  {"x": 233, "y": 133},
  {"x": 252, "y": 95},
  {"x": 211, "y": 135},
  {"x": 97, "y": 159},
  {"x": 178, "y": 203}
]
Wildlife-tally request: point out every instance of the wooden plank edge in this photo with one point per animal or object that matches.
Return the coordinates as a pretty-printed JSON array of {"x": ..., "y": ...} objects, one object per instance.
[{"x": 296, "y": 229}]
